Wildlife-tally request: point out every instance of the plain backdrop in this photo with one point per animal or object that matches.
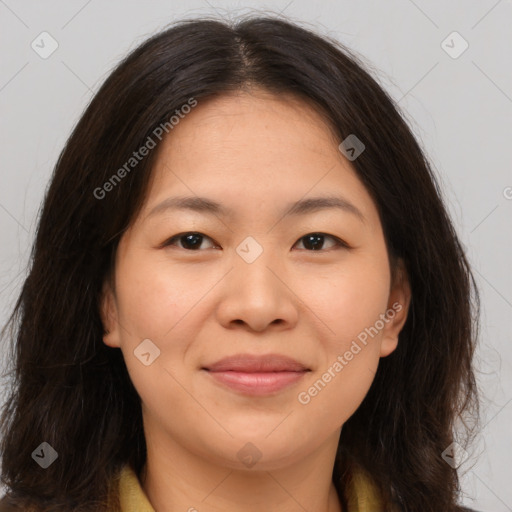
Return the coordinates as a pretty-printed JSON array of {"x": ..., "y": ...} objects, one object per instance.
[{"x": 459, "y": 107}]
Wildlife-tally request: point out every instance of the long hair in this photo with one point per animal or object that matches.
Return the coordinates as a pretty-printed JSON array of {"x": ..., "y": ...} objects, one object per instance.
[{"x": 68, "y": 389}]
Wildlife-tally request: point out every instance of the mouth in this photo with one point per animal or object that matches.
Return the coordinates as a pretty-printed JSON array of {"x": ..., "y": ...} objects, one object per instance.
[{"x": 257, "y": 375}]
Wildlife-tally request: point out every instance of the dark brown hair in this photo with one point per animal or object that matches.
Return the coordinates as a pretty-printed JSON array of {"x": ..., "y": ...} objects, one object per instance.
[{"x": 67, "y": 388}]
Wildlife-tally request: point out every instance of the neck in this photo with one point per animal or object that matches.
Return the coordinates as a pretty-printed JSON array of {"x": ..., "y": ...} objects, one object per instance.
[{"x": 177, "y": 478}]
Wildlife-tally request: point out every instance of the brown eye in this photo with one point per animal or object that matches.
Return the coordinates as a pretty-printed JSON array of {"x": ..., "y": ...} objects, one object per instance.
[
  {"x": 190, "y": 241},
  {"x": 316, "y": 241}
]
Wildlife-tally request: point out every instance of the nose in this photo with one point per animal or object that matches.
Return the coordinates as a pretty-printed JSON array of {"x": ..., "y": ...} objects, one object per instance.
[{"x": 257, "y": 295}]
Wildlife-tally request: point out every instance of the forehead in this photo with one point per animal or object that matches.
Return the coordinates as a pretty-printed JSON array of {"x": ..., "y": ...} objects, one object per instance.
[
  {"x": 250, "y": 149},
  {"x": 253, "y": 115},
  {"x": 245, "y": 130}
]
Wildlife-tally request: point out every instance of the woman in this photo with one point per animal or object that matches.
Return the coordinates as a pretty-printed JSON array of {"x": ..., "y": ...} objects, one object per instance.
[{"x": 315, "y": 354}]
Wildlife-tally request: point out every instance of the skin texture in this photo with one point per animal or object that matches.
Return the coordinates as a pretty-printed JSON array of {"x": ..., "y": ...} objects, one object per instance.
[{"x": 254, "y": 153}]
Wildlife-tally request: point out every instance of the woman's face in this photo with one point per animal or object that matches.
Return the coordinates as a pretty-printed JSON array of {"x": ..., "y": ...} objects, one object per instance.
[{"x": 251, "y": 283}]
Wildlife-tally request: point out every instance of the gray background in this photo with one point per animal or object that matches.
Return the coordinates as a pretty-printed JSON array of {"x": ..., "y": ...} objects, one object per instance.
[{"x": 459, "y": 108}]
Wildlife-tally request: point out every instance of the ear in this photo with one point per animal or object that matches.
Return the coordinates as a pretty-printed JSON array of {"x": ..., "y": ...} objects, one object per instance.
[
  {"x": 109, "y": 316},
  {"x": 397, "y": 310}
]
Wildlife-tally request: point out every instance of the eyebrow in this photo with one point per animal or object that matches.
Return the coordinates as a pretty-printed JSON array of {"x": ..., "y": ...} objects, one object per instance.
[{"x": 211, "y": 207}]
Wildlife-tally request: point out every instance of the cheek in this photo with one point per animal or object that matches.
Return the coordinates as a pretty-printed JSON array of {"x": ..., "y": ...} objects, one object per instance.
[
  {"x": 356, "y": 296},
  {"x": 350, "y": 301},
  {"x": 155, "y": 298},
  {"x": 153, "y": 304},
  {"x": 164, "y": 305},
  {"x": 330, "y": 401},
  {"x": 352, "y": 354}
]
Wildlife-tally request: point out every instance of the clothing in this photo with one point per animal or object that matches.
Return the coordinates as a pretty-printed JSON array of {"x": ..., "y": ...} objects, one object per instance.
[{"x": 363, "y": 496}]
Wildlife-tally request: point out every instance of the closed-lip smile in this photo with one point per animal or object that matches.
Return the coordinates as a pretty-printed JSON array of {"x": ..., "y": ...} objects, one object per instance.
[{"x": 257, "y": 374}]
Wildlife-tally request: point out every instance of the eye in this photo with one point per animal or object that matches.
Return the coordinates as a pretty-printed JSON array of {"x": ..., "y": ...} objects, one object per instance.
[
  {"x": 192, "y": 241},
  {"x": 315, "y": 241}
]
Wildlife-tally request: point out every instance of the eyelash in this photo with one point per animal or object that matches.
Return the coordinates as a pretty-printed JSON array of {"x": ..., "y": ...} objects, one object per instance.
[{"x": 339, "y": 243}]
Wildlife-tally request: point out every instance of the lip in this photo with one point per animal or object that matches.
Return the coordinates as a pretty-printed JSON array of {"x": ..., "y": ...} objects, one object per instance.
[
  {"x": 257, "y": 383},
  {"x": 250, "y": 363},
  {"x": 257, "y": 375}
]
